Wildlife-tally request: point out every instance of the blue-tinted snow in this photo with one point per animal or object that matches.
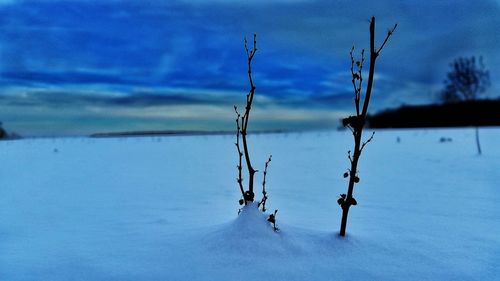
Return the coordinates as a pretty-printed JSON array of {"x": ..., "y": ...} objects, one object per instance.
[{"x": 166, "y": 208}]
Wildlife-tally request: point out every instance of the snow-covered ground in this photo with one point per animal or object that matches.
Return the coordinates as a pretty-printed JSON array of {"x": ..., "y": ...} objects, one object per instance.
[{"x": 166, "y": 208}]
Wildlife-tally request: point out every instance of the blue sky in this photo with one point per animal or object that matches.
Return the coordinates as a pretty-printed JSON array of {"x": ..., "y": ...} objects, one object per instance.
[{"x": 79, "y": 67}]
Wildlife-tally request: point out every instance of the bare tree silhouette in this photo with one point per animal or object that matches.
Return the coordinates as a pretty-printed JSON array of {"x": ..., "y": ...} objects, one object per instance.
[
  {"x": 356, "y": 122},
  {"x": 466, "y": 81}
]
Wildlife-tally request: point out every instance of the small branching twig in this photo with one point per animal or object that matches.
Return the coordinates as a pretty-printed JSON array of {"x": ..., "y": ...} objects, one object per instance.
[
  {"x": 373, "y": 57},
  {"x": 241, "y": 126},
  {"x": 249, "y": 194},
  {"x": 243, "y": 151},
  {"x": 349, "y": 156},
  {"x": 366, "y": 142},
  {"x": 389, "y": 33},
  {"x": 264, "y": 192},
  {"x": 251, "y": 92},
  {"x": 357, "y": 77},
  {"x": 272, "y": 219},
  {"x": 240, "y": 155}
]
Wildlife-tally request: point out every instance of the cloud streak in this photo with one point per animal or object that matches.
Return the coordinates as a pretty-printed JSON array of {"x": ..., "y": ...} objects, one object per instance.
[{"x": 59, "y": 113}]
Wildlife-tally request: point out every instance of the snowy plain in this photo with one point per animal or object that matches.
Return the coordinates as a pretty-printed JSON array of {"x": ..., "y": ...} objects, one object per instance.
[{"x": 166, "y": 208}]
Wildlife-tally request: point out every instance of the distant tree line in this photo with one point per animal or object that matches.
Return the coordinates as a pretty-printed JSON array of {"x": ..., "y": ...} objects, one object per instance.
[
  {"x": 458, "y": 114},
  {"x": 465, "y": 81}
]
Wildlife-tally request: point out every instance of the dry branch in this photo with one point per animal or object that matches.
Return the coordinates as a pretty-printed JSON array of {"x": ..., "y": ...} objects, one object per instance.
[
  {"x": 240, "y": 154},
  {"x": 366, "y": 142},
  {"x": 249, "y": 194},
  {"x": 241, "y": 132},
  {"x": 264, "y": 192},
  {"x": 356, "y": 123}
]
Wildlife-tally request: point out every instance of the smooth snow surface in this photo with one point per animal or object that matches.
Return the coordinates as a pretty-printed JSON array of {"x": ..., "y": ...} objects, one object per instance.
[{"x": 166, "y": 208}]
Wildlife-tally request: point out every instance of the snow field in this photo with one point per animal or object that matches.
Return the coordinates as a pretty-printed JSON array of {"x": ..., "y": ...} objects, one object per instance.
[{"x": 166, "y": 208}]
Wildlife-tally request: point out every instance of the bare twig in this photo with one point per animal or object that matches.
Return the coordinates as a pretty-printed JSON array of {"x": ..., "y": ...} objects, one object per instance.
[
  {"x": 240, "y": 154},
  {"x": 366, "y": 142},
  {"x": 264, "y": 192},
  {"x": 373, "y": 57},
  {"x": 242, "y": 125},
  {"x": 246, "y": 116},
  {"x": 250, "y": 95},
  {"x": 389, "y": 33},
  {"x": 246, "y": 47},
  {"x": 357, "y": 77},
  {"x": 356, "y": 123}
]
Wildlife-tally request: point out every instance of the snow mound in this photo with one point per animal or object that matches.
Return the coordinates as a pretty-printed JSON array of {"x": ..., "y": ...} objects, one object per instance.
[
  {"x": 249, "y": 241},
  {"x": 252, "y": 221},
  {"x": 251, "y": 232}
]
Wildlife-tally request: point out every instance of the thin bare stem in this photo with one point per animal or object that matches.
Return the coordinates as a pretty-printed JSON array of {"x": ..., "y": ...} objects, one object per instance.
[
  {"x": 250, "y": 95},
  {"x": 240, "y": 154},
  {"x": 354, "y": 78},
  {"x": 373, "y": 57},
  {"x": 357, "y": 77},
  {"x": 366, "y": 142},
  {"x": 389, "y": 33},
  {"x": 356, "y": 123},
  {"x": 249, "y": 195},
  {"x": 360, "y": 80},
  {"x": 264, "y": 192},
  {"x": 349, "y": 156}
]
